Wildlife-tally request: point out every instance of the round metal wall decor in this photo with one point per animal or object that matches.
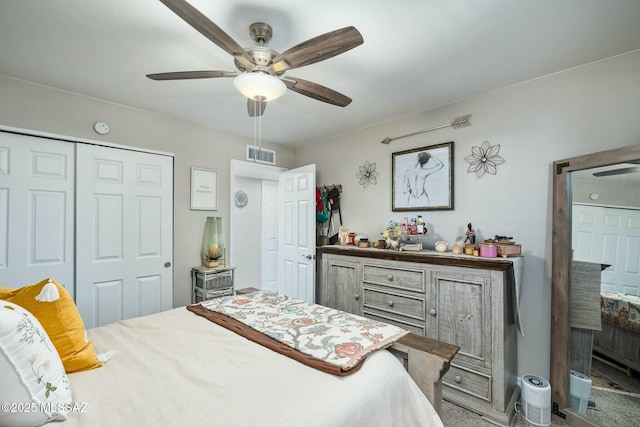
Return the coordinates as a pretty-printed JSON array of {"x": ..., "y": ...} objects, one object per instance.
[{"x": 241, "y": 199}]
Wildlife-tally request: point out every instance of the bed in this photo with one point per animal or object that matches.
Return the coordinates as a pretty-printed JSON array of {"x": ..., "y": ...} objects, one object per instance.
[
  {"x": 180, "y": 368},
  {"x": 620, "y": 335}
]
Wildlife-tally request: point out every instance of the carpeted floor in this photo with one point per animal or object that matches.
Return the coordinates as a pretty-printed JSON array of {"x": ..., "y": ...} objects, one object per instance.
[
  {"x": 614, "y": 408},
  {"x": 615, "y": 396},
  {"x": 455, "y": 416}
]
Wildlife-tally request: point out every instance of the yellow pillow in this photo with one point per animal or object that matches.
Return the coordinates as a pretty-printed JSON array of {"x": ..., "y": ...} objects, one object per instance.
[{"x": 54, "y": 308}]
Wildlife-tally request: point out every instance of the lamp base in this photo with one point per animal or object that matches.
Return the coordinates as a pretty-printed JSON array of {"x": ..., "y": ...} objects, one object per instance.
[{"x": 214, "y": 262}]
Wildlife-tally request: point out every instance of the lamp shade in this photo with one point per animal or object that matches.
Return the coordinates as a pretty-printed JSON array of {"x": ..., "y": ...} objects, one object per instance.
[{"x": 264, "y": 85}]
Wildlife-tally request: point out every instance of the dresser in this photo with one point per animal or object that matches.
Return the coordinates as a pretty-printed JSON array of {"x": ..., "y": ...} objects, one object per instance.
[{"x": 459, "y": 299}]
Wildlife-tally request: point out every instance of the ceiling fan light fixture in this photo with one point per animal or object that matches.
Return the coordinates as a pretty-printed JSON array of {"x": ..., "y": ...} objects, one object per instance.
[{"x": 263, "y": 85}]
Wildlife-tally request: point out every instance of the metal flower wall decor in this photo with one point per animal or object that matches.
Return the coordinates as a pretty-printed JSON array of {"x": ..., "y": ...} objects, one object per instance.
[
  {"x": 367, "y": 174},
  {"x": 484, "y": 159}
]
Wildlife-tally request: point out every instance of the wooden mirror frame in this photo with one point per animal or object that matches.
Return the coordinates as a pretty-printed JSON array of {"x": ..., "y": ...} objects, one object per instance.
[{"x": 560, "y": 280}]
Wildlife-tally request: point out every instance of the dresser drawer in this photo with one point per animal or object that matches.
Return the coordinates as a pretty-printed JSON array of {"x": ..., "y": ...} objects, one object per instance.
[
  {"x": 405, "y": 324},
  {"x": 413, "y": 307},
  {"x": 470, "y": 382},
  {"x": 405, "y": 278}
]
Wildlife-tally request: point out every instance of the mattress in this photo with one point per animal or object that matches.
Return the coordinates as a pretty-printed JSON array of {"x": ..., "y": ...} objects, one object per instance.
[
  {"x": 621, "y": 309},
  {"x": 177, "y": 368}
]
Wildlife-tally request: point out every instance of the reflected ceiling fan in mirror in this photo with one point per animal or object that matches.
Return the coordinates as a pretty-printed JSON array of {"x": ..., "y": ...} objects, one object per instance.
[
  {"x": 619, "y": 171},
  {"x": 260, "y": 69}
]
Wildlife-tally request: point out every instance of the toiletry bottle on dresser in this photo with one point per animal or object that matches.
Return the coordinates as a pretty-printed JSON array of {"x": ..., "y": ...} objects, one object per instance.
[{"x": 420, "y": 225}]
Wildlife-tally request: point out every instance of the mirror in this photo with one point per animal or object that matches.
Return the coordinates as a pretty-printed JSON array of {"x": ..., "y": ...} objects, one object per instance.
[{"x": 562, "y": 251}]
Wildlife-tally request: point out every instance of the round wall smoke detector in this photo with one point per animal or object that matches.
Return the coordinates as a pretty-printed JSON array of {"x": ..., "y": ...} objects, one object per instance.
[{"x": 101, "y": 127}]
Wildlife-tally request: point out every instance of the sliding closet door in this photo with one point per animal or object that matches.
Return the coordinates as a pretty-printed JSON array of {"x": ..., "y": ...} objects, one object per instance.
[
  {"x": 36, "y": 210},
  {"x": 124, "y": 224}
]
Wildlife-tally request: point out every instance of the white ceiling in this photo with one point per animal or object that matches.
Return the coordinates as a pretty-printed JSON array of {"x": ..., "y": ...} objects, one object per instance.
[{"x": 417, "y": 54}]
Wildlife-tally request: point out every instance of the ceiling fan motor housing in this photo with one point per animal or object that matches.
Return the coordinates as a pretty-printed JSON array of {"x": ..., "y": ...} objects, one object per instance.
[
  {"x": 261, "y": 33},
  {"x": 262, "y": 57}
]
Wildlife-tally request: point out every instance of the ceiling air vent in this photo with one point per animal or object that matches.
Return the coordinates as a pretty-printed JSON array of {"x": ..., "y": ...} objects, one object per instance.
[{"x": 261, "y": 155}]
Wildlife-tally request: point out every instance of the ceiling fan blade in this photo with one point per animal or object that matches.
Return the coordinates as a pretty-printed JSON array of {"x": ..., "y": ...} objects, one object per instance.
[
  {"x": 255, "y": 107},
  {"x": 207, "y": 28},
  {"x": 316, "y": 91},
  {"x": 185, "y": 75},
  {"x": 318, "y": 49},
  {"x": 620, "y": 171}
]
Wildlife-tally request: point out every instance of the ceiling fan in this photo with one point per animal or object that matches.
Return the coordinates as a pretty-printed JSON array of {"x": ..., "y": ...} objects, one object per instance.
[{"x": 259, "y": 65}]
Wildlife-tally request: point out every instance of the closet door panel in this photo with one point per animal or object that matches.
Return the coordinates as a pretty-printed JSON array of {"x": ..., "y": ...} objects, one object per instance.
[
  {"x": 47, "y": 226},
  {"x": 108, "y": 227},
  {"x": 125, "y": 212},
  {"x": 36, "y": 210}
]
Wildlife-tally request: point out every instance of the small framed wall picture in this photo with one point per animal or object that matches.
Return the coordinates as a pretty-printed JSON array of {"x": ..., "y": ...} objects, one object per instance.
[{"x": 204, "y": 189}]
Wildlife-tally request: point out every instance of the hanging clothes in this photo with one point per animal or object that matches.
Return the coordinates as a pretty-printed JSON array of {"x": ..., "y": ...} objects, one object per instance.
[
  {"x": 323, "y": 215},
  {"x": 334, "y": 202}
]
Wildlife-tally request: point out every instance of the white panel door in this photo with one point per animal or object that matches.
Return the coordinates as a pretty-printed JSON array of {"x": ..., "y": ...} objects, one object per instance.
[
  {"x": 609, "y": 236},
  {"x": 36, "y": 210},
  {"x": 297, "y": 242},
  {"x": 269, "y": 247},
  {"x": 124, "y": 228}
]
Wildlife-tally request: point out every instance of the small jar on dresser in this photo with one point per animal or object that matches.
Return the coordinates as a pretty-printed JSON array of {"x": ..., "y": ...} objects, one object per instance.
[{"x": 208, "y": 283}]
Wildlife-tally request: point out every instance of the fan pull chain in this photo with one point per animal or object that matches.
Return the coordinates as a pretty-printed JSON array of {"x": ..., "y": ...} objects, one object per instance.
[{"x": 257, "y": 125}]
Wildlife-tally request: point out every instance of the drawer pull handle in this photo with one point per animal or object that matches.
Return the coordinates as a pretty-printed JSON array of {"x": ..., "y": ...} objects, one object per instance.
[
  {"x": 390, "y": 303},
  {"x": 390, "y": 277},
  {"x": 356, "y": 296},
  {"x": 432, "y": 311},
  {"x": 458, "y": 379}
]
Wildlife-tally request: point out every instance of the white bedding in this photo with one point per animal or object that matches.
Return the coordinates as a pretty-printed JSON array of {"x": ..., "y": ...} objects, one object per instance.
[{"x": 178, "y": 369}]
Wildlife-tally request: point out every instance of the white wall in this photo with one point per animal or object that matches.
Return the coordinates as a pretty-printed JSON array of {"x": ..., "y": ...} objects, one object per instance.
[
  {"x": 36, "y": 107},
  {"x": 583, "y": 110},
  {"x": 610, "y": 193}
]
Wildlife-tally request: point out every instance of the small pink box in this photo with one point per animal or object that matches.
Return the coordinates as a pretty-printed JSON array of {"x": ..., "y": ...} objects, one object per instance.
[{"x": 488, "y": 251}]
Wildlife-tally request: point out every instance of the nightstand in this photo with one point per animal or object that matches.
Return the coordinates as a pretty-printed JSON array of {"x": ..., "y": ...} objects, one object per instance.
[{"x": 208, "y": 283}]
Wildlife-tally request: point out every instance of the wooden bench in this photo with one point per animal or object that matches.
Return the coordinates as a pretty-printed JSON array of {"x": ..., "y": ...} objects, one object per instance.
[{"x": 427, "y": 361}]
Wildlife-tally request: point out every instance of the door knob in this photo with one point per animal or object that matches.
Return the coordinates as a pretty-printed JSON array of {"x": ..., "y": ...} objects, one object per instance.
[
  {"x": 432, "y": 311},
  {"x": 356, "y": 296},
  {"x": 167, "y": 264},
  {"x": 309, "y": 256}
]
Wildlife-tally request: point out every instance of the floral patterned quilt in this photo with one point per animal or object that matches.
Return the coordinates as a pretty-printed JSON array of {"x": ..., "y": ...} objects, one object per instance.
[
  {"x": 621, "y": 309},
  {"x": 327, "y": 334}
]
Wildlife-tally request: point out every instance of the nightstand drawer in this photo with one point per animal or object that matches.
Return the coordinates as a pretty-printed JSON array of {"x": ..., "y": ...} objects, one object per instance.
[
  {"x": 404, "y": 305},
  {"x": 412, "y": 280},
  {"x": 217, "y": 280},
  {"x": 470, "y": 382}
]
